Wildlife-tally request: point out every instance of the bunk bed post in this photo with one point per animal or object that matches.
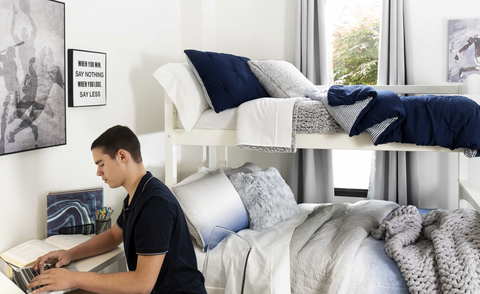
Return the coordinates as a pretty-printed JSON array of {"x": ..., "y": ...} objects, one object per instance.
[
  {"x": 217, "y": 156},
  {"x": 170, "y": 148},
  {"x": 462, "y": 176},
  {"x": 467, "y": 192}
]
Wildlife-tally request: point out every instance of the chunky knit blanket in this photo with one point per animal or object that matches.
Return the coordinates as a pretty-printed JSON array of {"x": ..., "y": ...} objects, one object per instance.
[{"x": 438, "y": 252}]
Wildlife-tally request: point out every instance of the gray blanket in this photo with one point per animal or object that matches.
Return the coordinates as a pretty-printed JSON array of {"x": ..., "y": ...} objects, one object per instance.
[
  {"x": 324, "y": 248},
  {"x": 438, "y": 252}
]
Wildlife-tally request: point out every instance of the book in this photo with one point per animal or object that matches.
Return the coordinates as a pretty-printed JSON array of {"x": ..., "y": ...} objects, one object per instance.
[
  {"x": 26, "y": 254},
  {"x": 72, "y": 208}
]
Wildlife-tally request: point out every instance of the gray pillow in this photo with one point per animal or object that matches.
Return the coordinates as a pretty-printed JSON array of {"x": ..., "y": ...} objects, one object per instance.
[
  {"x": 281, "y": 79},
  {"x": 266, "y": 196}
]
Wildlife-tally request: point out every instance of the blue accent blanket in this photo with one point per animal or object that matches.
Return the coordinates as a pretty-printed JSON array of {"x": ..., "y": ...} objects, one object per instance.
[{"x": 447, "y": 121}]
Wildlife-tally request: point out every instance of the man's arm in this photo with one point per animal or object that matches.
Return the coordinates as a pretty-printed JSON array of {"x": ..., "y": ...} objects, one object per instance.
[
  {"x": 99, "y": 244},
  {"x": 142, "y": 280}
]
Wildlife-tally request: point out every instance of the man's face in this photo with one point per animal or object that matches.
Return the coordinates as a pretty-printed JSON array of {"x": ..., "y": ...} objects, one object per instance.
[{"x": 111, "y": 170}]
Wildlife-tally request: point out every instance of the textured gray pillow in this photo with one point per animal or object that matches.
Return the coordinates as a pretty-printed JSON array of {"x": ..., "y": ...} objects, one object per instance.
[
  {"x": 266, "y": 196},
  {"x": 248, "y": 167},
  {"x": 281, "y": 79}
]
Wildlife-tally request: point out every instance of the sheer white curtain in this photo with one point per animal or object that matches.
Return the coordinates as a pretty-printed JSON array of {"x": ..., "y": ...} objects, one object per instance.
[
  {"x": 311, "y": 172},
  {"x": 394, "y": 174}
]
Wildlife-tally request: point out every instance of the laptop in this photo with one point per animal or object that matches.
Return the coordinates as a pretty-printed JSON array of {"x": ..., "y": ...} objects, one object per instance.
[{"x": 22, "y": 276}]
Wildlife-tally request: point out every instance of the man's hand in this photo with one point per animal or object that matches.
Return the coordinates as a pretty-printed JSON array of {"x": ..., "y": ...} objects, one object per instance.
[
  {"x": 59, "y": 258},
  {"x": 53, "y": 279}
]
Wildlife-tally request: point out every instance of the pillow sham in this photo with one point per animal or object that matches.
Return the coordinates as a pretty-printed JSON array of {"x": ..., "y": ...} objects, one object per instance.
[
  {"x": 190, "y": 179},
  {"x": 226, "y": 79},
  {"x": 208, "y": 202},
  {"x": 281, "y": 79},
  {"x": 247, "y": 167},
  {"x": 266, "y": 196},
  {"x": 183, "y": 88}
]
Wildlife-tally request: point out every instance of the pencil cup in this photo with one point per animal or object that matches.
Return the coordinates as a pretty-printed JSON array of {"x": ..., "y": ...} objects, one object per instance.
[{"x": 102, "y": 226}]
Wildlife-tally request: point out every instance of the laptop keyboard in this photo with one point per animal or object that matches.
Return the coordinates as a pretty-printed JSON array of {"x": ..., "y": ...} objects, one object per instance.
[{"x": 27, "y": 274}]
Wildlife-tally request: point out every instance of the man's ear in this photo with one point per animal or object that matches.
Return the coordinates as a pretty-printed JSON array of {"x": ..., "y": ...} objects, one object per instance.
[{"x": 123, "y": 155}]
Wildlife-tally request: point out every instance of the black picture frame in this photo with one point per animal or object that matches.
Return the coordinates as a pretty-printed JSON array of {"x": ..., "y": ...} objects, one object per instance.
[
  {"x": 32, "y": 84},
  {"x": 87, "y": 78}
]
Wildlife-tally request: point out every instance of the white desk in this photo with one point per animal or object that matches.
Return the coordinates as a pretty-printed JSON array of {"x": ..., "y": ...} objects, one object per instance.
[{"x": 91, "y": 264}]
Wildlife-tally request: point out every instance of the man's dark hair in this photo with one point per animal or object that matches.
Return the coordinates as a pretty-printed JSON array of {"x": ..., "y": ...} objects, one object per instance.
[{"x": 116, "y": 138}]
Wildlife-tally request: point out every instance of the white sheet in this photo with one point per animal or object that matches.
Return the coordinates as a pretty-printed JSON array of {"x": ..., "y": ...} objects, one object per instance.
[
  {"x": 268, "y": 269},
  {"x": 210, "y": 120},
  {"x": 265, "y": 122}
]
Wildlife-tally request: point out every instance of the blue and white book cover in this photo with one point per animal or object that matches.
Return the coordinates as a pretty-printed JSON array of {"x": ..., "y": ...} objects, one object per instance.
[{"x": 68, "y": 209}]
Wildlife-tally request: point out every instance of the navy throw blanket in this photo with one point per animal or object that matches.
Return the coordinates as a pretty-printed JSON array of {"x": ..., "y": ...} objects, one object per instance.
[{"x": 447, "y": 121}]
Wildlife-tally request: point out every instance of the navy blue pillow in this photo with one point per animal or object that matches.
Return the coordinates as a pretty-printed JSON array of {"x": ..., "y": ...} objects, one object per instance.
[{"x": 226, "y": 79}]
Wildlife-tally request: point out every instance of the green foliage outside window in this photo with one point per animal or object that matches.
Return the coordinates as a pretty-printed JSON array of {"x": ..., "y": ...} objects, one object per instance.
[{"x": 355, "y": 51}]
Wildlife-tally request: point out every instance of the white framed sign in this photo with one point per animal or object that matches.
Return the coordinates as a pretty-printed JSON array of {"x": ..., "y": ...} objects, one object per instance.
[{"x": 87, "y": 76}]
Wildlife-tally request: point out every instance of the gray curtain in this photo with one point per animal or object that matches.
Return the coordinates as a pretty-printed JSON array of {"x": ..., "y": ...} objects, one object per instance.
[
  {"x": 394, "y": 174},
  {"x": 311, "y": 172}
]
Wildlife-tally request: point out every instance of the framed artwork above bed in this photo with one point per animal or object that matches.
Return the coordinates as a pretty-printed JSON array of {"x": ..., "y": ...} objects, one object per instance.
[
  {"x": 464, "y": 49},
  {"x": 32, "y": 74}
]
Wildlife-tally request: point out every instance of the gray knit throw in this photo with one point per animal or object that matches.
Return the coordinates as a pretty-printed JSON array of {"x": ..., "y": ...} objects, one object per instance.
[{"x": 438, "y": 252}]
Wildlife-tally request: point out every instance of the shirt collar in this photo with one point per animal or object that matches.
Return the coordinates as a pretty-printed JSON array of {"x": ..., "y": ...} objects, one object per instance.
[{"x": 139, "y": 190}]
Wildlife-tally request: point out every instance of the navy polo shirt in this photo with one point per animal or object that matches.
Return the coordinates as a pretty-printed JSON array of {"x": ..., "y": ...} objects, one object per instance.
[{"x": 154, "y": 224}]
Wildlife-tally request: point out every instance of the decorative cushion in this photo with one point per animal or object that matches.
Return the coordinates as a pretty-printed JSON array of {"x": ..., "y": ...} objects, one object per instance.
[
  {"x": 208, "y": 202},
  {"x": 266, "y": 196},
  {"x": 183, "y": 88},
  {"x": 281, "y": 79},
  {"x": 226, "y": 79}
]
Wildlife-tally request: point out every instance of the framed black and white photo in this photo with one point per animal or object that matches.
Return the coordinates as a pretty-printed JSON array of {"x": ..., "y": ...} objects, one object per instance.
[
  {"x": 32, "y": 75},
  {"x": 464, "y": 49},
  {"x": 86, "y": 78}
]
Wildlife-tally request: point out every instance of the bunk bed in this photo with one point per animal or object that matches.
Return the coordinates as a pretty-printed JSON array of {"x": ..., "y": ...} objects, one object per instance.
[
  {"x": 175, "y": 135},
  {"x": 218, "y": 138}
]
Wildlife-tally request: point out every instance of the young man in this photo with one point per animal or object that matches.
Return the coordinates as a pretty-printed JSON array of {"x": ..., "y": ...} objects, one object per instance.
[{"x": 158, "y": 247}]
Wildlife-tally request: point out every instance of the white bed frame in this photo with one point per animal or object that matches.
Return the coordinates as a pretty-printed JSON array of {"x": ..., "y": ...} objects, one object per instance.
[{"x": 175, "y": 136}]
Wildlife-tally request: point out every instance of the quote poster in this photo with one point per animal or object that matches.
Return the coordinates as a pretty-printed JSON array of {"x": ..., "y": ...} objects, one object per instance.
[{"x": 87, "y": 73}]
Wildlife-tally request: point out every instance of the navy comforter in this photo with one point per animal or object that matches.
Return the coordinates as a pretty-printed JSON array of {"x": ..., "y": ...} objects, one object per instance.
[{"x": 448, "y": 121}]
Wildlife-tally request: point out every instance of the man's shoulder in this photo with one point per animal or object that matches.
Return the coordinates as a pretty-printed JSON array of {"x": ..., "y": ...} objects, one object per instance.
[{"x": 159, "y": 192}]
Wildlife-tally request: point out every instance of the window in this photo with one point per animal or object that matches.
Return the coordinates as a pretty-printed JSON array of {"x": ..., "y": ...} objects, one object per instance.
[{"x": 354, "y": 30}]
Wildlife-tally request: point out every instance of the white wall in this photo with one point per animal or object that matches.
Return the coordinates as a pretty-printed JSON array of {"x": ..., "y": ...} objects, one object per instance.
[{"x": 427, "y": 63}]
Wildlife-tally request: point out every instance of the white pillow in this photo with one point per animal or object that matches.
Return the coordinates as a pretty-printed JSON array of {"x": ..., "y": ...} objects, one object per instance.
[
  {"x": 208, "y": 202},
  {"x": 247, "y": 167},
  {"x": 183, "y": 88}
]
